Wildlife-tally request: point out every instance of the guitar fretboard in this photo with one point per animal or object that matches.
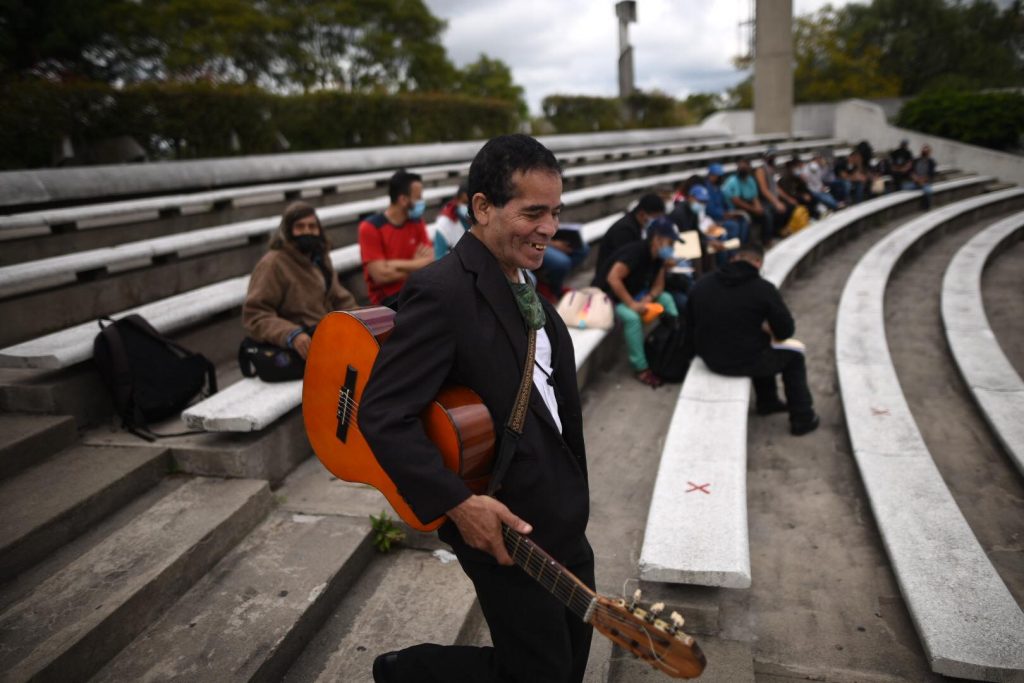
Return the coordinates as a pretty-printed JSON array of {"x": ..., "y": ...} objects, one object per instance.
[{"x": 546, "y": 571}]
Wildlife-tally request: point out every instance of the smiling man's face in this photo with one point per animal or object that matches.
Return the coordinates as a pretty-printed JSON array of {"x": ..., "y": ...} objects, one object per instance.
[{"x": 519, "y": 232}]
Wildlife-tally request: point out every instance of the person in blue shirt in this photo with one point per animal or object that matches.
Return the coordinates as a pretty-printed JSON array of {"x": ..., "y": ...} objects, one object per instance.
[
  {"x": 720, "y": 209},
  {"x": 740, "y": 189}
]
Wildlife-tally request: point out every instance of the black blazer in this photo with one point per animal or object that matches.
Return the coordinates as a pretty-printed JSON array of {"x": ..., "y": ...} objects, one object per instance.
[{"x": 458, "y": 323}]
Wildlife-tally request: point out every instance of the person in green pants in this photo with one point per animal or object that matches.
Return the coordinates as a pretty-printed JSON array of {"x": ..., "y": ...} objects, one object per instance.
[{"x": 635, "y": 277}]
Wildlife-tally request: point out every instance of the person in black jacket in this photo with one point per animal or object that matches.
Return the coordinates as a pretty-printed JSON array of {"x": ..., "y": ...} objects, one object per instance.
[
  {"x": 732, "y": 317},
  {"x": 463, "y": 320},
  {"x": 630, "y": 228}
]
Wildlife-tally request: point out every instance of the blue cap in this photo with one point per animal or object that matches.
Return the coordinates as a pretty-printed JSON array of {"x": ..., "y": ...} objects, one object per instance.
[
  {"x": 663, "y": 226},
  {"x": 700, "y": 193},
  {"x": 716, "y": 169}
]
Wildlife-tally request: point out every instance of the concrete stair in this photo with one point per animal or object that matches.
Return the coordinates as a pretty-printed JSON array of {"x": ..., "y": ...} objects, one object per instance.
[
  {"x": 84, "y": 613},
  {"x": 51, "y": 503},
  {"x": 404, "y": 598},
  {"x": 27, "y": 439},
  {"x": 252, "y": 614}
]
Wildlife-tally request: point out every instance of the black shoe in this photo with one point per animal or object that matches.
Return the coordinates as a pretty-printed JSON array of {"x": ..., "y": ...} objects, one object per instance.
[
  {"x": 385, "y": 668},
  {"x": 776, "y": 406},
  {"x": 804, "y": 426}
]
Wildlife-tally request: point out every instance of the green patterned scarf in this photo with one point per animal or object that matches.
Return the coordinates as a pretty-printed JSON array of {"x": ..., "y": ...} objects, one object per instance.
[{"x": 529, "y": 304}]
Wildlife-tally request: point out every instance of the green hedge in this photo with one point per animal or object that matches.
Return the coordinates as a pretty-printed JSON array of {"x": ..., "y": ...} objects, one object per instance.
[
  {"x": 173, "y": 121},
  {"x": 994, "y": 120},
  {"x": 581, "y": 114}
]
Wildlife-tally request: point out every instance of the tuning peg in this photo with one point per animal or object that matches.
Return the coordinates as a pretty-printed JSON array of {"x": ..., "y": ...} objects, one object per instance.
[
  {"x": 677, "y": 622},
  {"x": 653, "y": 611},
  {"x": 636, "y": 599}
]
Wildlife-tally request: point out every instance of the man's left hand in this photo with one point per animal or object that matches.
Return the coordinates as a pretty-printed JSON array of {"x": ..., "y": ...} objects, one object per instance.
[{"x": 479, "y": 519}]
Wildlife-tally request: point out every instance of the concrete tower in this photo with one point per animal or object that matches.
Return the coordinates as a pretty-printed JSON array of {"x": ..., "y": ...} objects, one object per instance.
[
  {"x": 773, "y": 66},
  {"x": 626, "y": 11}
]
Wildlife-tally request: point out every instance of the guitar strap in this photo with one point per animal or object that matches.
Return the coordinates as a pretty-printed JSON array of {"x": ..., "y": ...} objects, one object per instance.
[{"x": 514, "y": 427}]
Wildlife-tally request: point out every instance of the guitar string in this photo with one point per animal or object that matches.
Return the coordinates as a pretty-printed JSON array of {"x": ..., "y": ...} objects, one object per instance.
[
  {"x": 536, "y": 565},
  {"x": 608, "y": 611}
]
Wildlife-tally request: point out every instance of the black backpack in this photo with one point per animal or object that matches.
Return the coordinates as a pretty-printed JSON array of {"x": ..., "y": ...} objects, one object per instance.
[
  {"x": 149, "y": 376},
  {"x": 664, "y": 349}
]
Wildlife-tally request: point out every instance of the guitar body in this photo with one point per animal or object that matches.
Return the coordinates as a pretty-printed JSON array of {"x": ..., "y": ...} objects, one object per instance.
[{"x": 338, "y": 366}]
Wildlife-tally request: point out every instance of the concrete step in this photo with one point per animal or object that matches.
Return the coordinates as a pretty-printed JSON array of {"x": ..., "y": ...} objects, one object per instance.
[
  {"x": 253, "y": 613},
  {"x": 269, "y": 454},
  {"x": 47, "y": 505},
  {"x": 404, "y": 598},
  {"x": 312, "y": 489},
  {"x": 86, "y": 612},
  {"x": 28, "y": 439}
]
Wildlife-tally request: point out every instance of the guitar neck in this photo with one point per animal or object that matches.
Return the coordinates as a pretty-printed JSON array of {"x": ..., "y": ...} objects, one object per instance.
[{"x": 546, "y": 571}]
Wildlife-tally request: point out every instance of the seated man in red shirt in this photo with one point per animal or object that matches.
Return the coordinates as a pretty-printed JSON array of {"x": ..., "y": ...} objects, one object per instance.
[{"x": 394, "y": 243}]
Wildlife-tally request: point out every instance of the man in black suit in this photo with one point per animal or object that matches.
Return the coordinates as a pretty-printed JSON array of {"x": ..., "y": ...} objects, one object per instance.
[{"x": 464, "y": 320}]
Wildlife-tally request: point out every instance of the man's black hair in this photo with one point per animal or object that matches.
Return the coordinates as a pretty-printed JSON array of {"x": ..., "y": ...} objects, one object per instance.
[
  {"x": 502, "y": 157},
  {"x": 401, "y": 184},
  {"x": 650, "y": 203},
  {"x": 752, "y": 248}
]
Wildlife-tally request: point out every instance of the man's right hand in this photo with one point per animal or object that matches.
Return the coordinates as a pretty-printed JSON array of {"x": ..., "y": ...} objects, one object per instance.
[
  {"x": 479, "y": 519},
  {"x": 639, "y": 306}
]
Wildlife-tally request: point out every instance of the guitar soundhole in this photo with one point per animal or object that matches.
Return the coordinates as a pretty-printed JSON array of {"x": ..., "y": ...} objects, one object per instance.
[{"x": 346, "y": 404}]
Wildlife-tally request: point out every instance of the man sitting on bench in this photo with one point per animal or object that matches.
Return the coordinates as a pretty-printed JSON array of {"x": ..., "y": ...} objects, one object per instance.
[{"x": 734, "y": 321}]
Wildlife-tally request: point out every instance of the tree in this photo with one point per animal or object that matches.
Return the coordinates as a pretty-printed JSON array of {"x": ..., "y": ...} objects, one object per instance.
[
  {"x": 925, "y": 42},
  {"x": 491, "y": 78},
  {"x": 828, "y": 69},
  {"x": 60, "y": 39}
]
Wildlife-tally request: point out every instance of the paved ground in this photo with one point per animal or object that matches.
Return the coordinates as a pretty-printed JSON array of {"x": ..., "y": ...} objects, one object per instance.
[
  {"x": 824, "y": 604},
  {"x": 986, "y": 485}
]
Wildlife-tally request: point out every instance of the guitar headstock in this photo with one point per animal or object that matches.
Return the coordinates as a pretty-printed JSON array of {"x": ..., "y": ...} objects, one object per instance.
[{"x": 659, "y": 641}]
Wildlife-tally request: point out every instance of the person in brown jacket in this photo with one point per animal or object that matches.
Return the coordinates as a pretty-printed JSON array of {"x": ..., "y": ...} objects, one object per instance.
[{"x": 294, "y": 285}]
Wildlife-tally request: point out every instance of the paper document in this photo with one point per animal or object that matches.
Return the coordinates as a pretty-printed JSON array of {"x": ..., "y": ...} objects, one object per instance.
[
  {"x": 789, "y": 345},
  {"x": 688, "y": 246}
]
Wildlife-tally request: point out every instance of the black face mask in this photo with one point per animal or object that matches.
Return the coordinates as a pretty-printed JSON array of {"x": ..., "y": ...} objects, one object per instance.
[
  {"x": 742, "y": 174},
  {"x": 308, "y": 244}
]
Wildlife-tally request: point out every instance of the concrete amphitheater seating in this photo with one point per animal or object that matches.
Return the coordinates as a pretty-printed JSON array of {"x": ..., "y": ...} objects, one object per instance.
[
  {"x": 968, "y": 622},
  {"x": 997, "y": 388},
  {"x": 702, "y": 538}
]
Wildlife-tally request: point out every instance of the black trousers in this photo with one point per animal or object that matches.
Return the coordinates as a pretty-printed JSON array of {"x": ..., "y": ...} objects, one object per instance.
[
  {"x": 793, "y": 368},
  {"x": 536, "y": 639}
]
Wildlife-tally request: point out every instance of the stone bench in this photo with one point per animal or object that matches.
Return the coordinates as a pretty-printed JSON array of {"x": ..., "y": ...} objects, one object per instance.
[
  {"x": 251, "y": 405},
  {"x": 43, "y": 273},
  {"x": 967, "y": 620},
  {"x": 697, "y": 534},
  {"x": 106, "y": 213},
  {"x": 69, "y": 185},
  {"x": 997, "y": 388},
  {"x": 98, "y": 215}
]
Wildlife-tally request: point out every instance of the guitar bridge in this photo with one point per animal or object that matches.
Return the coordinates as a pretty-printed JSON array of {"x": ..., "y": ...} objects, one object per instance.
[{"x": 346, "y": 404}]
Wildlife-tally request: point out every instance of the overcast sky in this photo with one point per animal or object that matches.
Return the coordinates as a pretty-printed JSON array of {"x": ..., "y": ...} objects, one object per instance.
[{"x": 571, "y": 46}]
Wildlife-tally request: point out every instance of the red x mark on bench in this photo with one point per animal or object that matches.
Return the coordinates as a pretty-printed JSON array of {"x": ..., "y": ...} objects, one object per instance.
[{"x": 703, "y": 488}]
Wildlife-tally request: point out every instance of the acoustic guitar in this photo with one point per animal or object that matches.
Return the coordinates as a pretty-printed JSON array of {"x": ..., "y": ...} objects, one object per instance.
[{"x": 338, "y": 366}]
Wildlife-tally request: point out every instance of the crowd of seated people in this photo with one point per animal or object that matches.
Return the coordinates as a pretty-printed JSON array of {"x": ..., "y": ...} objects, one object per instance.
[{"x": 722, "y": 212}]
